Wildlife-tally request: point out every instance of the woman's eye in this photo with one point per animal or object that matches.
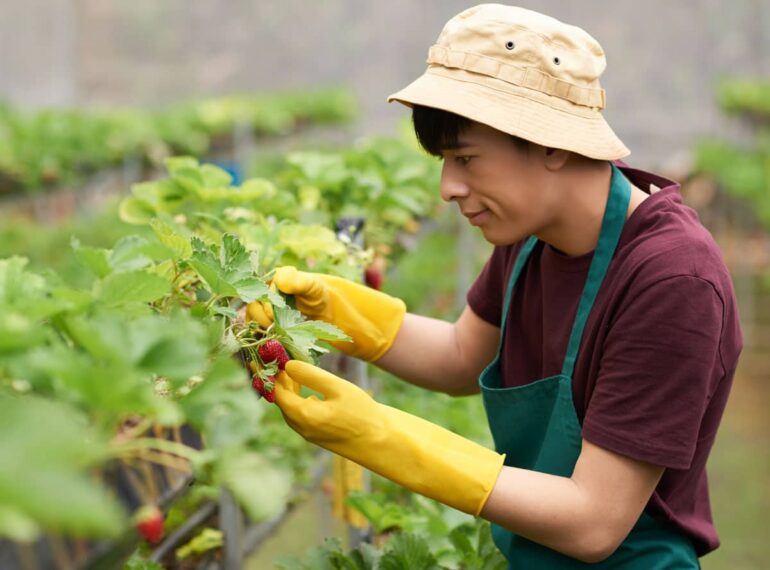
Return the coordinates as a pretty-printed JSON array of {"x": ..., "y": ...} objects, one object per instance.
[{"x": 463, "y": 160}]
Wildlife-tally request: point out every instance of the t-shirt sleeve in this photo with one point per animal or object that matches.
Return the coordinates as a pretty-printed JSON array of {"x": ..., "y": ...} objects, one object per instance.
[
  {"x": 485, "y": 297},
  {"x": 660, "y": 365}
]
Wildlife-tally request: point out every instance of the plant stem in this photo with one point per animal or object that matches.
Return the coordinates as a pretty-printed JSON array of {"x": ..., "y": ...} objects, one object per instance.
[
  {"x": 210, "y": 303},
  {"x": 149, "y": 443}
]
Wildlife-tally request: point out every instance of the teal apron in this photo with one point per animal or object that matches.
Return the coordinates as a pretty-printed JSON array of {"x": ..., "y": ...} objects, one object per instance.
[{"x": 536, "y": 425}]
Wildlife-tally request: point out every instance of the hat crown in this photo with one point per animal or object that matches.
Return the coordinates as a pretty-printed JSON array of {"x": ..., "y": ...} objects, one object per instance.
[{"x": 514, "y": 36}]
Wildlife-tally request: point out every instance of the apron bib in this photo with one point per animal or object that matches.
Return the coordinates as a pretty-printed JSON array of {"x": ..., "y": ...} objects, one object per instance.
[{"x": 536, "y": 425}]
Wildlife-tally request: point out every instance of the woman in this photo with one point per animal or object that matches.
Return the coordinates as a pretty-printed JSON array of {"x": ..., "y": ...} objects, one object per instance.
[{"x": 602, "y": 333}]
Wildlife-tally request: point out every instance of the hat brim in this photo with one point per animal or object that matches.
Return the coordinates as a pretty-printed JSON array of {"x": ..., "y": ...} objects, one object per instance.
[{"x": 518, "y": 111}]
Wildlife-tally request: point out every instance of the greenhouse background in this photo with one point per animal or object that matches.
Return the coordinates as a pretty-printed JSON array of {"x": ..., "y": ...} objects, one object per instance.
[
  {"x": 97, "y": 96},
  {"x": 663, "y": 58}
]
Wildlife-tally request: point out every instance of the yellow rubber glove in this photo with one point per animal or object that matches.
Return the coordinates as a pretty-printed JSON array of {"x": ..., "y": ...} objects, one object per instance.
[
  {"x": 371, "y": 318},
  {"x": 408, "y": 450},
  {"x": 260, "y": 312}
]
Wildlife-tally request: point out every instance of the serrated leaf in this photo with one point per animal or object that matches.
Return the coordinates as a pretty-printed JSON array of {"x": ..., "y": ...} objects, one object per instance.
[
  {"x": 322, "y": 330},
  {"x": 227, "y": 270},
  {"x": 254, "y": 289},
  {"x": 212, "y": 275},
  {"x": 301, "y": 345},
  {"x": 408, "y": 552},
  {"x": 129, "y": 254},
  {"x": 226, "y": 312},
  {"x": 286, "y": 317},
  {"x": 461, "y": 542},
  {"x": 178, "y": 244},
  {"x": 133, "y": 287}
]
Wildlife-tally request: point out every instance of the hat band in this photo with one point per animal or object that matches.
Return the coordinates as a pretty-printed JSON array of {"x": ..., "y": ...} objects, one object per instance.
[{"x": 528, "y": 77}]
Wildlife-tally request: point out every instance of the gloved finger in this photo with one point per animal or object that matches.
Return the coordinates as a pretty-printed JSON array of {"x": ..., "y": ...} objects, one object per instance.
[
  {"x": 317, "y": 379},
  {"x": 292, "y": 282},
  {"x": 307, "y": 288},
  {"x": 286, "y": 395},
  {"x": 261, "y": 312}
]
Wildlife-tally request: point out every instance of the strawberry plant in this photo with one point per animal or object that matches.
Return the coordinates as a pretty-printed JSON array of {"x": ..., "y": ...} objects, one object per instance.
[
  {"x": 387, "y": 182},
  {"x": 63, "y": 146},
  {"x": 742, "y": 171},
  {"x": 178, "y": 325},
  {"x": 152, "y": 336}
]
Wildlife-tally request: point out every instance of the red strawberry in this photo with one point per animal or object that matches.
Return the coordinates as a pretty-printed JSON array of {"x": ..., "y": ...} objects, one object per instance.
[
  {"x": 266, "y": 389},
  {"x": 273, "y": 350},
  {"x": 149, "y": 523},
  {"x": 373, "y": 278}
]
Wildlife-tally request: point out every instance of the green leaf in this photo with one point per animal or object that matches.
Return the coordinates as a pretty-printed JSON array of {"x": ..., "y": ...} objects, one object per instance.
[
  {"x": 136, "y": 211},
  {"x": 383, "y": 515},
  {"x": 134, "y": 286},
  {"x": 17, "y": 284},
  {"x": 462, "y": 542},
  {"x": 48, "y": 447},
  {"x": 254, "y": 289},
  {"x": 178, "y": 244},
  {"x": 228, "y": 271},
  {"x": 17, "y": 525},
  {"x": 95, "y": 259},
  {"x": 130, "y": 253},
  {"x": 214, "y": 177},
  {"x": 224, "y": 406},
  {"x": 321, "y": 330},
  {"x": 257, "y": 485},
  {"x": 226, "y": 312},
  {"x": 408, "y": 552},
  {"x": 179, "y": 164},
  {"x": 19, "y": 332},
  {"x": 205, "y": 540},
  {"x": 139, "y": 564},
  {"x": 310, "y": 241}
]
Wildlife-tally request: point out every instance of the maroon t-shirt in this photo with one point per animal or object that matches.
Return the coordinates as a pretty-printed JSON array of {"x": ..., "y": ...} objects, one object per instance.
[{"x": 659, "y": 349}]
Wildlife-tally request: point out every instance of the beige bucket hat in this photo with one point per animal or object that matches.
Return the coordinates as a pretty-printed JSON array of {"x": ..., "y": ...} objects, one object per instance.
[{"x": 523, "y": 73}]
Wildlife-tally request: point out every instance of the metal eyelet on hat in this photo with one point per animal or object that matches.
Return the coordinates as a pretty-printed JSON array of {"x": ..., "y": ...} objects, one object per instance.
[
  {"x": 509, "y": 45},
  {"x": 557, "y": 61}
]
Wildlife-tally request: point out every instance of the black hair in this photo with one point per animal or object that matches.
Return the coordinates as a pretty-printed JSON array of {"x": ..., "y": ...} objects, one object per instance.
[{"x": 438, "y": 130}]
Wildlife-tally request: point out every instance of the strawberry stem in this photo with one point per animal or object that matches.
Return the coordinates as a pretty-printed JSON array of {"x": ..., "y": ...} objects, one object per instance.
[{"x": 149, "y": 443}]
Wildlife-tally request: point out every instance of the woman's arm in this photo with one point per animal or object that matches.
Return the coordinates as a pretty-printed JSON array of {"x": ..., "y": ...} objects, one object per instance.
[
  {"x": 585, "y": 516},
  {"x": 442, "y": 356}
]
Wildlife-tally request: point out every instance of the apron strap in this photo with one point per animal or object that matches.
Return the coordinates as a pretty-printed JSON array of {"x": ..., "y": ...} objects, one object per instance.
[
  {"x": 521, "y": 260},
  {"x": 612, "y": 227}
]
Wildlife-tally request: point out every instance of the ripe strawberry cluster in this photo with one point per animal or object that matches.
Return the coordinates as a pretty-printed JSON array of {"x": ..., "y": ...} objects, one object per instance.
[{"x": 269, "y": 352}]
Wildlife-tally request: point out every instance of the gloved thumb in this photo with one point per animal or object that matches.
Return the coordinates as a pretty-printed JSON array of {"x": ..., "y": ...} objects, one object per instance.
[
  {"x": 292, "y": 282},
  {"x": 317, "y": 379}
]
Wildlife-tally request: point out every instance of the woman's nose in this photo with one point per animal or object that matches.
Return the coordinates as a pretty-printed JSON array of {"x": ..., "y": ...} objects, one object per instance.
[{"x": 452, "y": 184}]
